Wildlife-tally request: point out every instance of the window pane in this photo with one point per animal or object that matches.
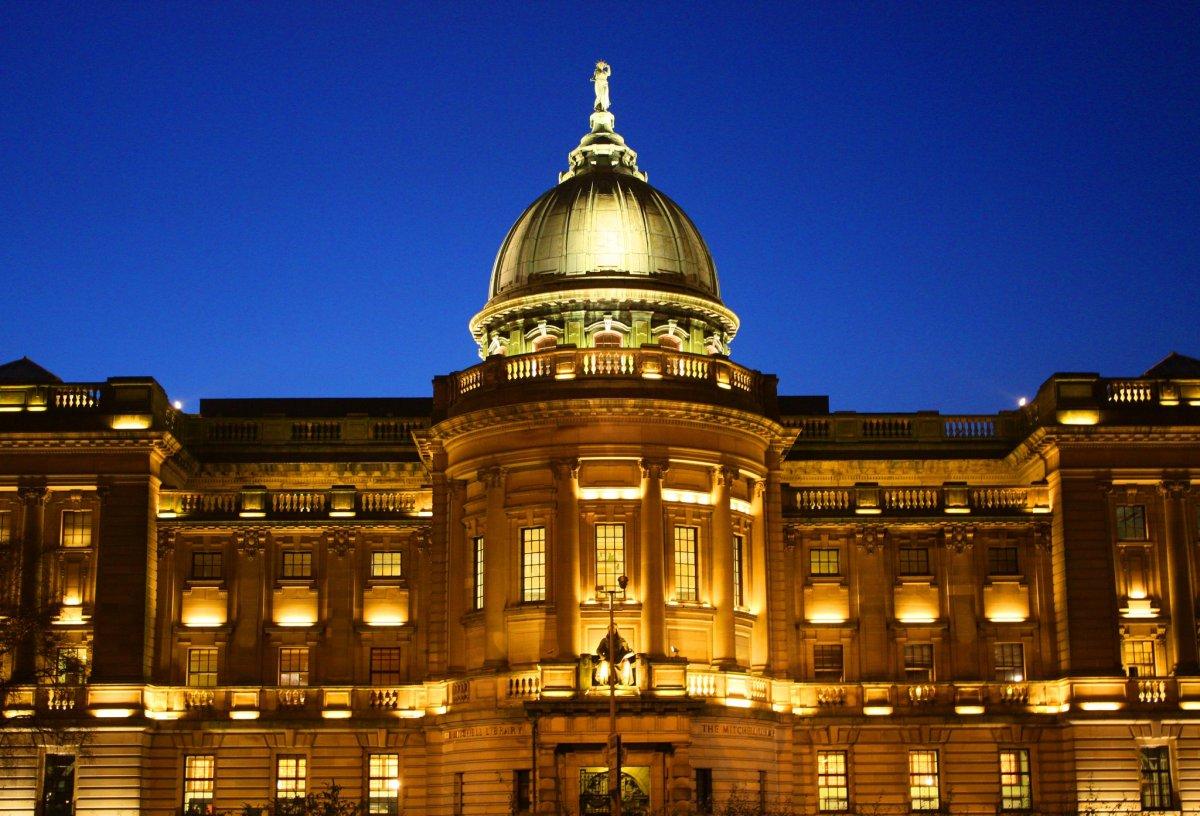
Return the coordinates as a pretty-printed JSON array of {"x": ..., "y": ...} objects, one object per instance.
[
  {"x": 914, "y": 561},
  {"x": 739, "y": 581},
  {"x": 833, "y": 783},
  {"x": 296, "y": 564},
  {"x": 5, "y": 528},
  {"x": 77, "y": 528},
  {"x": 918, "y": 662},
  {"x": 1010, "y": 662},
  {"x": 533, "y": 564},
  {"x": 477, "y": 571},
  {"x": 206, "y": 566},
  {"x": 293, "y": 666},
  {"x": 199, "y": 773},
  {"x": 1138, "y": 656},
  {"x": 686, "y": 588},
  {"x": 290, "y": 773},
  {"x": 202, "y": 667},
  {"x": 1155, "y": 766},
  {"x": 610, "y": 555},
  {"x": 71, "y": 665},
  {"x": 1016, "y": 787},
  {"x": 1003, "y": 561},
  {"x": 385, "y": 666},
  {"x": 388, "y": 564},
  {"x": 1131, "y": 522},
  {"x": 383, "y": 795},
  {"x": 827, "y": 661},
  {"x": 923, "y": 780},
  {"x": 824, "y": 561}
]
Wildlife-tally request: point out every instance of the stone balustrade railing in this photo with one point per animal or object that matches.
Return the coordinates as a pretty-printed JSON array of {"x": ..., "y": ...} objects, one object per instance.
[
  {"x": 954, "y": 498},
  {"x": 254, "y": 501}
]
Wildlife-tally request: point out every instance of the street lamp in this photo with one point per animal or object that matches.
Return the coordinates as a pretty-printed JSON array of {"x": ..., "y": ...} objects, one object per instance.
[{"x": 614, "y": 743}]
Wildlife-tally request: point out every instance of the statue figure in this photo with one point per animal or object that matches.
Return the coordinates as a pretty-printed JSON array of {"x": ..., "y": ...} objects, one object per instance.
[{"x": 600, "y": 81}]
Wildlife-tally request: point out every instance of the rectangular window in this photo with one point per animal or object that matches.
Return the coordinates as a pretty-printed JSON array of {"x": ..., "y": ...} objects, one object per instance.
[
  {"x": 522, "y": 794},
  {"x": 533, "y": 564},
  {"x": 924, "y": 784},
  {"x": 291, "y": 773},
  {"x": 202, "y": 667},
  {"x": 1138, "y": 657},
  {"x": 918, "y": 662},
  {"x": 477, "y": 572},
  {"x": 387, "y": 564},
  {"x": 383, "y": 784},
  {"x": 58, "y": 785},
  {"x": 5, "y": 528},
  {"x": 207, "y": 566},
  {"x": 833, "y": 782},
  {"x": 824, "y": 561},
  {"x": 1016, "y": 782},
  {"x": 827, "y": 662},
  {"x": 385, "y": 666},
  {"x": 1154, "y": 764},
  {"x": 457, "y": 794},
  {"x": 686, "y": 587},
  {"x": 610, "y": 555},
  {"x": 704, "y": 791},
  {"x": 739, "y": 578},
  {"x": 293, "y": 666},
  {"x": 914, "y": 561},
  {"x": 71, "y": 665},
  {"x": 199, "y": 773},
  {"x": 295, "y": 564},
  {"x": 1009, "y": 662},
  {"x": 1131, "y": 522},
  {"x": 76, "y": 528},
  {"x": 1003, "y": 561}
]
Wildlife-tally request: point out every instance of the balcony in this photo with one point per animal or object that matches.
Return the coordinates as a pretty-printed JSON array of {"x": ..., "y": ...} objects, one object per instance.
[
  {"x": 948, "y": 499},
  {"x": 259, "y": 502}
]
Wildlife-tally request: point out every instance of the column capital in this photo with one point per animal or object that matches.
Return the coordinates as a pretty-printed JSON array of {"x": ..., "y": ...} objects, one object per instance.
[
  {"x": 655, "y": 468},
  {"x": 724, "y": 476},
  {"x": 165, "y": 542},
  {"x": 33, "y": 493},
  {"x": 252, "y": 541},
  {"x": 493, "y": 476},
  {"x": 1174, "y": 488},
  {"x": 566, "y": 468},
  {"x": 456, "y": 487},
  {"x": 340, "y": 540}
]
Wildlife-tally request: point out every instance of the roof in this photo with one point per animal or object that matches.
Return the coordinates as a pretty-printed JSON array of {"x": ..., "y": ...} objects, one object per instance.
[
  {"x": 1175, "y": 366},
  {"x": 26, "y": 372}
]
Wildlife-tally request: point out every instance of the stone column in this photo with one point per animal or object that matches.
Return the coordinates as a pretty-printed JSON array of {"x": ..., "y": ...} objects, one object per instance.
[
  {"x": 565, "y": 561},
  {"x": 780, "y": 611},
  {"x": 724, "y": 640},
  {"x": 458, "y": 562},
  {"x": 652, "y": 572},
  {"x": 495, "y": 569},
  {"x": 29, "y": 580},
  {"x": 1180, "y": 571},
  {"x": 754, "y": 567}
]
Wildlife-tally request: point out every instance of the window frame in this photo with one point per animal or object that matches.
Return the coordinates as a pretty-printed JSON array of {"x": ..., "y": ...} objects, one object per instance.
[
  {"x": 1131, "y": 514},
  {"x": 297, "y": 778},
  {"x": 1130, "y": 647},
  {"x": 380, "y": 665},
  {"x": 739, "y": 571},
  {"x": 83, "y": 531},
  {"x": 533, "y": 564},
  {"x": 1156, "y": 785},
  {"x": 1016, "y": 783},
  {"x": 383, "y": 784},
  {"x": 913, "y": 669},
  {"x": 907, "y": 560},
  {"x": 1001, "y": 669},
  {"x": 919, "y": 798},
  {"x": 194, "y": 670},
  {"x": 387, "y": 564},
  {"x": 833, "y": 784},
  {"x": 819, "y": 562},
  {"x": 478, "y": 566},
  {"x": 195, "y": 782},
  {"x": 294, "y": 667},
  {"x": 608, "y": 537},
  {"x": 1004, "y": 560},
  {"x": 826, "y": 673},
  {"x": 685, "y": 561},
  {"x": 203, "y": 562},
  {"x": 301, "y": 566}
]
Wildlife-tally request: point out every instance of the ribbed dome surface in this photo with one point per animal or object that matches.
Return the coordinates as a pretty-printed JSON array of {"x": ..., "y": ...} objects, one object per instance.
[{"x": 607, "y": 228}]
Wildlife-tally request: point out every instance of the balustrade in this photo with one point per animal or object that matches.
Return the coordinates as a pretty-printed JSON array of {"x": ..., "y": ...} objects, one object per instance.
[
  {"x": 1129, "y": 392},
  {"x": 76, "y": 396},
  {"x": 911, "y": 498},
  {"x": 527, "y": 685},
  {"x": 823, "y": 499}
]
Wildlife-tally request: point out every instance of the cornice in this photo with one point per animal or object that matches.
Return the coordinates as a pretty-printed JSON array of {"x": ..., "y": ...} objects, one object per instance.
[
  {"x": 164, "y": 444},
  {"x": 1045, "y": 439}
]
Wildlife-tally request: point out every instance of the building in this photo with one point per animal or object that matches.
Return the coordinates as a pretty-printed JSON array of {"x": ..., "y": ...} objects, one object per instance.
[{"x": 825, "y": 612}]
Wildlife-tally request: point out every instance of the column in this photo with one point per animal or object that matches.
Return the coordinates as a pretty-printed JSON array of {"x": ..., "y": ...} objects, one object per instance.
[
  {"x": 33, "y": 499},
  {"x": 1180, "y": 571},
  {"x": 652, "y": 572},
  {"x": 458, "y": 562},
  {"x": 495, "y": 569},
  {"x": 724, "y": 641},
  {"x": 779, "y": 612},
  {"x": 566, "y": 557},
  {"x": 168, "y": 604},
  {"x": 754, "y": 568},
  {"x": 249, "y": 598}
]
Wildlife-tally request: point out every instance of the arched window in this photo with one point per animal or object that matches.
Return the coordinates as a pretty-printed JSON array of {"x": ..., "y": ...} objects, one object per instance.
[
  {"x": 670, "y": 342},
  {"x": 545, "y": 342},
  {"x": 606, "y": 339}
]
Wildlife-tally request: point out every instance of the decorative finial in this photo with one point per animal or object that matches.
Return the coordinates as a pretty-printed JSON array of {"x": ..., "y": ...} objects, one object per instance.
[
  {"x": 600, "y": 81},
  {"x": 602, "y": 148}
]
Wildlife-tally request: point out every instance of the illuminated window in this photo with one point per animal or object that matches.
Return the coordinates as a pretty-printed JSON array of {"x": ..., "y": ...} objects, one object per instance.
[
  {"x": 606, "y": 339},
  {"x": 385, "y": 666},
  {"x": 290, "y": 776},
  {"x": 827, "y": 661},
  {"x": 833, "y": 782},
  {"x": 207, "y": 566},
  {"x": 670, "y": 342},
  {"x": 477, "y": 572},
  {"x": 533, "y": 563},
  {"x": 522, "y": 794},
  {"x": 70, "y": 667},
  {"x": 198, "y": 776},
  {"x": 293, "y": 666},
  {"x": 296, "y": 564},
  {"x": 824, "y": 561},
  {"x": 923, "y": 781},
  {"x": 610, "y": 555},
  {"x": 1131, "y": 522},
  {"x": 918, "y": 662},
  {"x": 739, "y": 575},
  {"x": 1003, "y": 561},
  {"x": 387, "y": 564},
  {"x": 545, "y": 343},
  {"x": 1138, "y": 658},
  {"x": 383, "y": 784},
  {"x": 914, "y": 561},
  {"x": 77, "y": 528},
  {"x": 202, "y": 667},
  {"x": 686, "y": 588},
  {"x": 1154, "y": 765},
  {"x": 5, "y": 528},
  {"x": 1016, "y": 783},
  {"x": 1009, "y": 662}
]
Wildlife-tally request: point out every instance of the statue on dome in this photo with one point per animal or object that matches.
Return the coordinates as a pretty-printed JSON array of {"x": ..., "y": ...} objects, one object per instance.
[{"x": 600, "y": 81}]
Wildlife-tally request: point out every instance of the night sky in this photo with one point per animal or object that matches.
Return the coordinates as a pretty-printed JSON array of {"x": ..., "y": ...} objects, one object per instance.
[{"x": 911, "y": 205}]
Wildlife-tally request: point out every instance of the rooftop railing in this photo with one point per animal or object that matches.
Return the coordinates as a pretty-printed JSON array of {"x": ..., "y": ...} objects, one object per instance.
[{"x": 870, "y": 498}]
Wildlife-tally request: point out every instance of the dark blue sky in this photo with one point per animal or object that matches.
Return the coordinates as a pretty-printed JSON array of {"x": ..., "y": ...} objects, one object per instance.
[{"x": 911, "y": 205}]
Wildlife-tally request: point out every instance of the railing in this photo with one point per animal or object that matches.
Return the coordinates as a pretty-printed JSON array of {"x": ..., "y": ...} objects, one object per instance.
[
  {"x": 335, "y": 502},
  {"x": 1149, "y": 691},
  {"x": 1000, "y": 498},
  {"x": 1129, "y": 391},
  {"x": 316, "y": 431},
  {"x": 822, "y": 499},
  {"x": 383, "y": 698},
  {"x": 870, "y": 498},
  {"x": 527, "y": 685},
  {"x": 77, "y": 395},
  {"x": 911, "y": 498},
  {"x": 387, "y": 501},
  {"x": 299, "y": 502},
  {"x": 921, "y": 694},
  {"x": 231, "y": 431},
  {"x": 291, "y": 697}
]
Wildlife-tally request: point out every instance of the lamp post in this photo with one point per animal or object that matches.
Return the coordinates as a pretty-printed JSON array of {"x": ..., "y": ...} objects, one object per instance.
[{"x": 614, "y": 745}]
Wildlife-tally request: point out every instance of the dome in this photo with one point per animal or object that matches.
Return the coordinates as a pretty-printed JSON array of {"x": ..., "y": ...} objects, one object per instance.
[
  {"x": 603, "y": 228},
  {"x": 604, "y": 259}
]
